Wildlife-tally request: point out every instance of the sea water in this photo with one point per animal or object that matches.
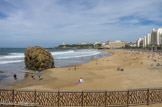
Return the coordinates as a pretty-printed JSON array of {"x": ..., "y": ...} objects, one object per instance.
[{"x": 12, "y": 61}]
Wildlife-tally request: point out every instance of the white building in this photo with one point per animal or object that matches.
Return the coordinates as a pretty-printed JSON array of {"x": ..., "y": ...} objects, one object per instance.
[
  {"x": 160, "y": 35},
  {"x": 151, "y": 40},
  {"x": 156, "y": 36},
  {"x": 97, "y": 43},
  {"x": 131, "y": 44},
  {"x": 144, "y": 42},
  {"x": 116, "y": 44},
  {"x": 148, "y": 39},
  {"x": 139, "y": 42}
]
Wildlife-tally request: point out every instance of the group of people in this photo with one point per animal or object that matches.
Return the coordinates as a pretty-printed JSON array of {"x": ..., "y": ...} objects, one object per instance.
[
  {"x": 120, "y": 69},
  {"x": 75, "y": 68},
  {"x": 32, "y": 76},
  {"x": 39, "y": 75}
]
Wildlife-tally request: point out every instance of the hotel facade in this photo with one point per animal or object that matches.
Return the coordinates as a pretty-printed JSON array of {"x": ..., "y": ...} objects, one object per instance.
[
  {"x": 139, "y": 42},
  {"x": 116, "y": 44},
  {"x": 153, "y": 39}
]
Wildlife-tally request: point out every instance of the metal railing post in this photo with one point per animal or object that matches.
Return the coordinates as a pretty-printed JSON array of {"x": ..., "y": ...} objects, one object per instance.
[
  {"x": 13, "y": 97},
  {"x": 105, "y": 97},
  {"x": 128, "y": 98},
  {"x": 35, "y": 100},
  {"x": 82, "y": 98},
  {"x": 148, "y": 96},
  {"x": 58, "y": 98}
]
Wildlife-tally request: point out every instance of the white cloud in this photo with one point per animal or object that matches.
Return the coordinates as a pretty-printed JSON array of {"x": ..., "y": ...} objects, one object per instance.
[{"x": 77, "y": 20}]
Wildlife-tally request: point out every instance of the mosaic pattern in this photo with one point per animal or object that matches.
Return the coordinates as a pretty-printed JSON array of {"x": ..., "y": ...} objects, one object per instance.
[
  {"x": 46, "y": 98},
  {"x": 155, "y": 95},
  {"x": 70, "y": 98},
  {"x": 80, "y": 98},
  {"x": 116, "y": 98},
  {"x": 138, "y": 97},
  {"x": 6, "y": 97},
  {"x": 93, "y": 98}
]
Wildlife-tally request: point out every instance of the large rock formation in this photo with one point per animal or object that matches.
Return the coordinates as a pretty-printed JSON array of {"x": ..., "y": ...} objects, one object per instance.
[{"x": 37, "y": 58}]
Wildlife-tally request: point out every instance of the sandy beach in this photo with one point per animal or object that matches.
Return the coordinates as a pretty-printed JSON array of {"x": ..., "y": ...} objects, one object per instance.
[{"x": 140, "y": 70}]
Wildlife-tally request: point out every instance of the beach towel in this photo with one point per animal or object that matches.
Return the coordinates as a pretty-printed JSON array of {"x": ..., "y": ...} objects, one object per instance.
[{"x": 77, "y": 83}]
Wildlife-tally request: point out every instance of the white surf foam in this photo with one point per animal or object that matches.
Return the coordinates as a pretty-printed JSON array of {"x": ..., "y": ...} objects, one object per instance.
[
  {"x": 78, "y": 55},
  {"x": 13, "y": 56},
  {"x": 65, "y": 52},
  {"x": 17, "y": 57},
  {"x": 8, "y": 62}
]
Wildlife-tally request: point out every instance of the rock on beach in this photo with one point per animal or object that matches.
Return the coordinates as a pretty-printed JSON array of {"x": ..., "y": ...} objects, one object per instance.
[{"x": 38, "y": 58}]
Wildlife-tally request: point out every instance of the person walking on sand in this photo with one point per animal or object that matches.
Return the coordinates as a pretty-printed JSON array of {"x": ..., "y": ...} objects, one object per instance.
[
  {"x": 15, "y": 77},
  {"x": 75, "y": 68},
  {"x": 39, "y": 75}
]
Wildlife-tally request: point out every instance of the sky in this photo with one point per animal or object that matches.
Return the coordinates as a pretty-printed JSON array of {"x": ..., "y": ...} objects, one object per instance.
[{"x": 49, "y": 23}]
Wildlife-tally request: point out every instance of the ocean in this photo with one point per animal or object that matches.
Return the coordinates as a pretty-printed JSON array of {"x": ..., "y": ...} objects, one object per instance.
[{"x": 12, "y": 61}]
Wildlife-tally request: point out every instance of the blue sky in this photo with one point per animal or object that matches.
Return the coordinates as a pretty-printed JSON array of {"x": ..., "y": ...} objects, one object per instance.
[{"x": 48, "y": 23}]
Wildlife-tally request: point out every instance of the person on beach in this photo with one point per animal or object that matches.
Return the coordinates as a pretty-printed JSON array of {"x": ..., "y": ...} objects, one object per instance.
[
  {"x": 158, "y": 64},
  {"x": 39, "y": 75},
  {"x": 118, "y": 69},
  {"x": 15, "y": 77},
  {"x": 79, "y": 81},
  {"x": 75, "y": 68},
  {"x": 32, "y": 76}
]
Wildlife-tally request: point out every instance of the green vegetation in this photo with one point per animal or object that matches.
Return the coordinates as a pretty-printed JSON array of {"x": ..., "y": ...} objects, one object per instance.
[{"x": 76, "y": 46}]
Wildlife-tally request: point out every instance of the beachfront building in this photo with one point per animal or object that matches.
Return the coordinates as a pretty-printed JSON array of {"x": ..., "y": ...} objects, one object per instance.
[
  {"x": 148, "y": 39},
  {"x": 104, "y": 45},
  {"x": 101, "y": 45},
  {"x": 156, "y": 37},
  {"x": 144, "y": 42},
  {"x": 116, "y": 44},
  {"x": 131, "y": 44},
  {"x": 139, "y": 42},
  {"x": 152, "y": 40},
  {"x": 83, "y": 43},
  {"x": 97, "y": 44}
]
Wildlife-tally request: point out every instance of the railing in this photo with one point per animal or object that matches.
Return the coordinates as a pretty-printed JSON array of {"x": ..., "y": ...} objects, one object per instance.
[{"x": 80, "y": 98}]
